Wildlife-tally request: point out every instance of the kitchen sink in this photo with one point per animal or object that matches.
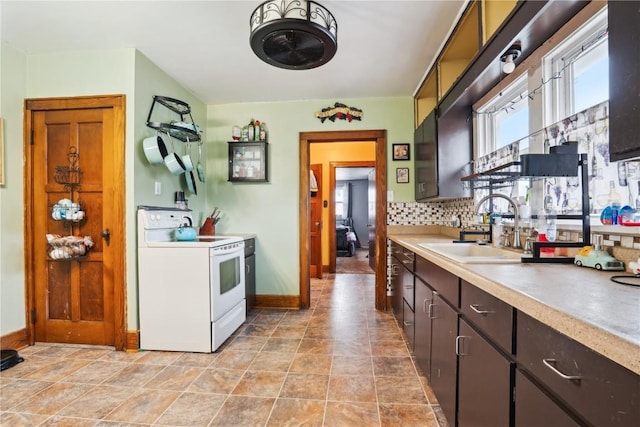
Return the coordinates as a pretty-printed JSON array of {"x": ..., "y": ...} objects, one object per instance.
[{"x": 473, "y": 253}]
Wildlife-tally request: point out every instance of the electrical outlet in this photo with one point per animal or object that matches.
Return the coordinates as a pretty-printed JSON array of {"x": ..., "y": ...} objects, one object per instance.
[{"x": 158, "y": 188}]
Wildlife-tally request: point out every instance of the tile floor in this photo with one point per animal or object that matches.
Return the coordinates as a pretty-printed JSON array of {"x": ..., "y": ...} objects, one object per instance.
[{"x": 341, "y": 363}]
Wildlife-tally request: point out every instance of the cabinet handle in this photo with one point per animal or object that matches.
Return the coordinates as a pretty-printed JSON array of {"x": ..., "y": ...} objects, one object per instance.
[
  {"x": 474, "y": 307},
  {"x": 407, "y": 323},
  {"x": 430, "y": 314},
  {"x": 394, "y": 270},
  {"x": 424, "y": 305},
  {"x": 458, "y": 346},
  {"x": 548, "y": 364}
]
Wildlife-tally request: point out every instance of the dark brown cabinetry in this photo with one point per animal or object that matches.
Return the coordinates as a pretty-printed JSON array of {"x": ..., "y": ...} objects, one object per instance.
[
  {"x": 534, "y": 408},
  {"x": 250, "y": 272},
  {"x": 593, "y": 387},
  {"x": 443, "y": 151},
  {"x": 248, "y": 161},
  {"x": 444, "y": 330},
  {"x": 422, "y": 334},
  {"x": 624, "y": 79},
  {"x": 484, "y": 381}
]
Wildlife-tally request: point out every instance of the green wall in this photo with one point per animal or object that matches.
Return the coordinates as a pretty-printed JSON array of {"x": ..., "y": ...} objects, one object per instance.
[{"x": 271, "y": 209}]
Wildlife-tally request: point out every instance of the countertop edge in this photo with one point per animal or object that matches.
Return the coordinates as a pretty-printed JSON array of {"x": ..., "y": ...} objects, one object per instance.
[{"x": 615, "y": 347}]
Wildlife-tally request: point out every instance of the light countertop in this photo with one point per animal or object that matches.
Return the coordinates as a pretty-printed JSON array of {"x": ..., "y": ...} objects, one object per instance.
[{"x": 579, "y": 302}]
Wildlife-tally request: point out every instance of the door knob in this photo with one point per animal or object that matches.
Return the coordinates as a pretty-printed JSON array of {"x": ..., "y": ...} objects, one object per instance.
[{"x": 106, "y": 235}]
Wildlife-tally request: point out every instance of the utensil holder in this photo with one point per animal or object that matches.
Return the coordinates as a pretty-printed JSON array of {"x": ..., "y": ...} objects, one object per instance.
[{"x": 208, "y": 228}]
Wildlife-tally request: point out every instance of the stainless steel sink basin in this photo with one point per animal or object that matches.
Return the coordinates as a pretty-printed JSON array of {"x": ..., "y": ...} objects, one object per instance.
[{"x": 473, "y": 253}]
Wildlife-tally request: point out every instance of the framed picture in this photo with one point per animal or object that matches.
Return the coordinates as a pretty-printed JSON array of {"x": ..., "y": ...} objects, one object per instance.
[
  {"x": 401, "y": 152},
  {"x": 402, "y": 175}
]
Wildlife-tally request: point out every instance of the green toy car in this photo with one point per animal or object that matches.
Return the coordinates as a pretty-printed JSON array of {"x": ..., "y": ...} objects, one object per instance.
[{"x": 597, "y": 258}]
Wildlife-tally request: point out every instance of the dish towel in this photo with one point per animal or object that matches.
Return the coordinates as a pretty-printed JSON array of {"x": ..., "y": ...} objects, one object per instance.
[{"x": 313, "y": 184}]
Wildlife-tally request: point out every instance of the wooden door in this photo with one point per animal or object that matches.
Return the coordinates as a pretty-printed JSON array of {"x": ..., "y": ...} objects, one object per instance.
[
  {"x": 315, "y": 224},
  {"x": 78, "y": 300},
  {"x": 372, "y": 220}
]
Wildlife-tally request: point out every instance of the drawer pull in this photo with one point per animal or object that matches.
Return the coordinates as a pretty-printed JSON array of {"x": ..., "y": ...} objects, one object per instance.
[
  {"x": 407, "y": 323},
  {"x": 549, "y": 364},
  {"x": 474, "y": 307},
  {"x": 458, "y": 345},
  {"x": 430, "y": 314},
  {"x": 425, "y": 309}
]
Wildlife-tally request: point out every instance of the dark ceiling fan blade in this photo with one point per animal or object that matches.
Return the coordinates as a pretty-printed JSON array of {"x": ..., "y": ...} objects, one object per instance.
[{"x": 293, "y": 47}]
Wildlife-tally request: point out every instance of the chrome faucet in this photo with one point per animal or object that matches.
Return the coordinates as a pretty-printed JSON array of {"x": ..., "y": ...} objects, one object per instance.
[{"x": 516, "y": 230}]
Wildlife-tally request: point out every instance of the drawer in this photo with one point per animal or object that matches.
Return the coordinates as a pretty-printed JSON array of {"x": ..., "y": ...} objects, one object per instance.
[
  {"x": 596, "y": 388},
  {"x": 491, "y": 315},
  {"x": 443, "y": 282}
]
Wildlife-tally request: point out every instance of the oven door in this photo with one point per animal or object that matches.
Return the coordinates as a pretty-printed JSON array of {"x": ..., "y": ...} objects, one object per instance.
[{"x": 227, "y": 279}]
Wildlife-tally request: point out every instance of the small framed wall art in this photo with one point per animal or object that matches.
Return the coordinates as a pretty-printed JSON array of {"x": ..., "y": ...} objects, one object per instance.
[
  {"x": 402, "y": 175},
  {"x": 401, "y": 152}
]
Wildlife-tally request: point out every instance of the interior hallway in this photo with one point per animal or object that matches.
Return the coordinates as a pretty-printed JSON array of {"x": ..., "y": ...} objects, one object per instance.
[{"x": 340, "y": 363}]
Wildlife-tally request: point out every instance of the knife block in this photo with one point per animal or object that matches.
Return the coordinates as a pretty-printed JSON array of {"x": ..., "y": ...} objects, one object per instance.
[{"x": 208, "y": 228}]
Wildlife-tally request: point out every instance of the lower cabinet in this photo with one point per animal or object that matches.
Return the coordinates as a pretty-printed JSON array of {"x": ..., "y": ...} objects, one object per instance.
[
  {"x": 484, "y": 381},
  {"x": 422, "y": 333},
  {"x": 396, "y": 288},
  {"x": 408, "y": 324},
  {"x": 534, "y": 408},
  {"x": 595, "y": 389},
  {"x": 444, "y": 330}
]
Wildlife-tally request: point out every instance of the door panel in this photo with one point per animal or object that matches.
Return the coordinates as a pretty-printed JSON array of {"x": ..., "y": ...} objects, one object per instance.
[
  {"x": 73, "y": 299},
  {"x": 315, "y": 225}
]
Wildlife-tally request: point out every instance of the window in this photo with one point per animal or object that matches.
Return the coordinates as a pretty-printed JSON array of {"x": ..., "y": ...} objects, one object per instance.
[
  {"x": 505, "y": 118},
  {"x": 340, "y": 201},
  {"x": 582, "y": 63}
]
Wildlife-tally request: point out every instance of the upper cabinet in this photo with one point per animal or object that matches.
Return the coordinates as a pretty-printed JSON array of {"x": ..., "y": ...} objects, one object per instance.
[
  {"x": 624, "y": 80},
  {"x": 494, "y": 13},
  {"x": 461, "y": 48}
]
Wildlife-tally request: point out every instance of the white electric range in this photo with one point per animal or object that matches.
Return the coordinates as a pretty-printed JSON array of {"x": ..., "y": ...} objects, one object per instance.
[{"x": 191, "y": 293}]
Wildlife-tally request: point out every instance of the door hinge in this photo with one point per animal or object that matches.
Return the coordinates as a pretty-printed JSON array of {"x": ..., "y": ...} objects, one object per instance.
[{"x": 33, "y": 315}]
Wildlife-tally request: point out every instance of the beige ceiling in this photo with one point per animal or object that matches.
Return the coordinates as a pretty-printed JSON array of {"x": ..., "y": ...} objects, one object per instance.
[{"x": 384, "y": 47}]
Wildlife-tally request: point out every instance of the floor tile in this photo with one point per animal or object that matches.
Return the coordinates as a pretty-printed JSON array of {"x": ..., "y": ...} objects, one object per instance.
[
  {"x": 311, "y": 363},
  {"x": 305, "y": 386},
  {"x": 134, "y": 375},
  {"x": 393, "y": 366},
  {"x": 198, "y": 360},
  {"x": 158, "y": 357},
  {"x": 278, "y": 362},
  {"x": 145, "y": 406},
  {"x": 52, "y": 399},
  {"x": 297, "y": 412},
  {"x": 176, "y": 378},
  {"x": 281, "y": 345},
  {"x": 397, "y": 415},
  {"x": 243, "y": 411},
  {"x": 347, "y": 414},
  {"x": 234, "y": 359},
  {"x": 95, "y": 372},
  {"x": 400, "y": 390},
  {"x": 16, "y": 419},
  {"x": 316, "y": 346},
  {"x": 351, "y": 365},
  {"x": 247, "y": 343},
  {"x": 389, "y": 348},
  {"x": 18, "y": 391},
  {"x": 192, "y": 410},
  {"x": 260, "y": 383},
  {"x": 57, "y": 369},
  {"x": 351, "y": 388},
  {"x": 220, "y": 381},
  {"x": 98, "y": 402}
]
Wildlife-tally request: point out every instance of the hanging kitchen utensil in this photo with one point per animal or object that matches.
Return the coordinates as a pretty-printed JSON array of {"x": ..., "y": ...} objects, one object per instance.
[
  {"x": 173, "y": 160},
  {"x": 186, "y": 158},
  {"x": 190, "y": 180},
  {"x": 199, "y": 166}
]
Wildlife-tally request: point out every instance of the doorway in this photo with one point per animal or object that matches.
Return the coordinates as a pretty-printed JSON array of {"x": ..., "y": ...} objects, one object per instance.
[
  {"x": 350, "y": 218},
  {"x": 74, "y": 162},
  {"x": 379, "y": 137}
]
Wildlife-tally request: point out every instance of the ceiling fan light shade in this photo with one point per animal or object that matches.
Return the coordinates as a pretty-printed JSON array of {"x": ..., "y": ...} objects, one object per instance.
[{"x": 293, "y": 34}]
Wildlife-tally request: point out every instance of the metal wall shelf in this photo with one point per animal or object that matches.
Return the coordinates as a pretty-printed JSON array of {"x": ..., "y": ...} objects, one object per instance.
[{"x": 181, "y": 108}]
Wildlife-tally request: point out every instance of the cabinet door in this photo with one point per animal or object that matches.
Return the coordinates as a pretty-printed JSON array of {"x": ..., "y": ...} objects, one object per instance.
[
  {"x": 624, "y": 82},
  {"x": 250, "y": 280},
  {"x": 248, "y": 161},
  {"x": 396, "y": 289},
  {"x": 533, "y": 408},
  {"x": 422, "y": 334},
  {"x": 408, "y": 324},
  {"x": 444, "y": 324},
  {"x": 484, "y": 381},
  {"x": 426, "y": 162}
]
